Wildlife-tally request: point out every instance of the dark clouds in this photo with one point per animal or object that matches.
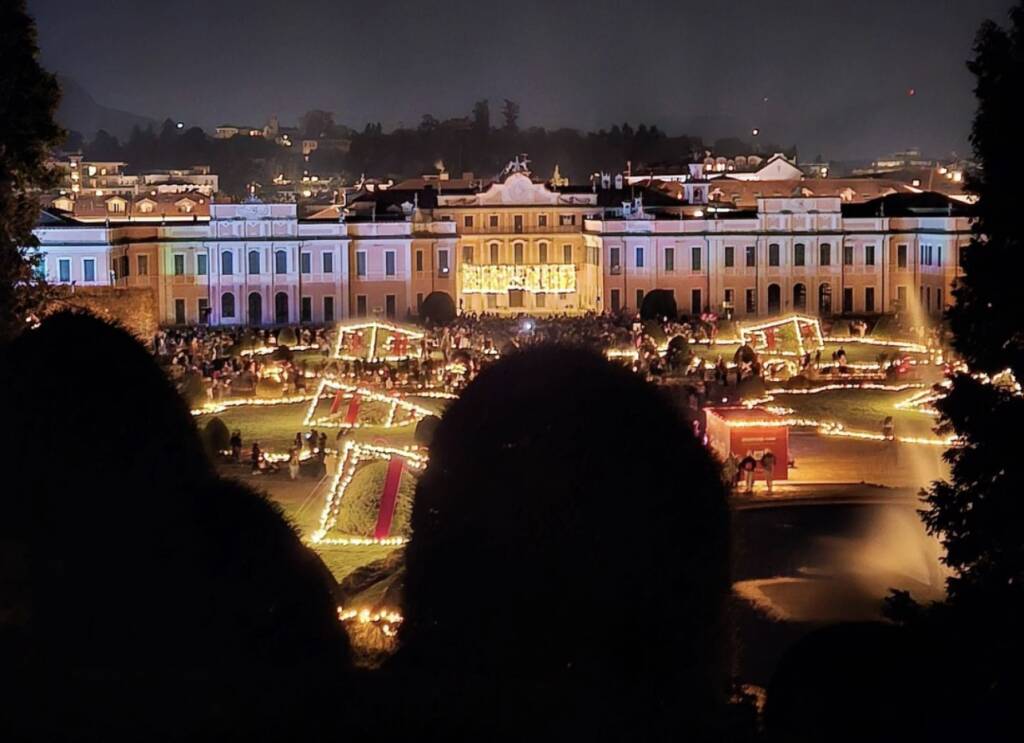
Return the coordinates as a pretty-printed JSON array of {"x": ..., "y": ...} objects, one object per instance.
[{"x": 835, "y": 72}]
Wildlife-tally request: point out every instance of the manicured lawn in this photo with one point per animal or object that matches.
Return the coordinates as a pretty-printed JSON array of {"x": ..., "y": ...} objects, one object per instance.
[{"x": 860, "y": 410}]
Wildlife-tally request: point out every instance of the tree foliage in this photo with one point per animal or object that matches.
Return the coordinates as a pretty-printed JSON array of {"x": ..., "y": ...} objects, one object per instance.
[
  {"x": 979, "y": 512},
  {"x": 28, "y": 99},
  {"x": 564, "y": 517},
  {"x": 149, "y": 574}
]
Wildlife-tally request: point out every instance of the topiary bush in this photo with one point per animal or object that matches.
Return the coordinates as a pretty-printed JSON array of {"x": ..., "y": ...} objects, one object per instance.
[
  {"x": 657, "y": 304},
  {"x": 360, "y": 505},
  {"x": 678, "y": 354},
  {"x": 216, "y": 436},
  {"x": 532, "y": 498},
  {"x": 425, "y": 430},
  {"x": 438, "y": 308}
]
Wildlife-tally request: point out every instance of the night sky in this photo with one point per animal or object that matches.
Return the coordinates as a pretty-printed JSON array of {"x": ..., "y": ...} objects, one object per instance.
[{"x": 835, "y": 73}]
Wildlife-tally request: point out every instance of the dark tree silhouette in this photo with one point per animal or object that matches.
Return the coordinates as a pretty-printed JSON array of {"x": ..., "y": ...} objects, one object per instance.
[
  {"x": 979, "y": 512},
  {"x": 28, "y": 99},
  {"x": 438, "y": 308},
  {"x": 164, "y": 602},
  {"x": 563, "y": 578},
  {"x": 510, "y": 116},
  {"x": 657, "y": 304},
  {"x": 857, "y": 682}
]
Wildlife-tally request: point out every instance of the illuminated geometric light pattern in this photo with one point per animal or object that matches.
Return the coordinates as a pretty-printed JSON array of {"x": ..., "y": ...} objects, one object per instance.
[
  {"x": 394, "y": 402},
  {"x": 762, "y": 337},
  {"x": 545, "y": 278},
  {"x": 375, "y": 340},
  {"x": 222, "y": 405},
  {"x": 264, "y": 350},
  {"x": 348, "y": 462}
]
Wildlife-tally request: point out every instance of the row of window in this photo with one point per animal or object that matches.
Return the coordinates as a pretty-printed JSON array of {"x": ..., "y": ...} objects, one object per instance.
[
  {"x": 518, "y": 221},
  {"x": 775, "y": 256},
  {"x": 227, "y": 263},
  {"x": 88, "y": 270},
  {"x": 799, "y": 299},
  {"x": 255, "y": 308}
]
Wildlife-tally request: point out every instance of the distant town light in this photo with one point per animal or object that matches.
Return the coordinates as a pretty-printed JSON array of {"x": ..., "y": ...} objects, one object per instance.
[
  {"x": 755, "y": 131},
  {"x": 943, "y": 170},
  {"x": 180, "y": 125},
  {"x": 916, "y": 183},
  {"x": 958, "y": 176}
]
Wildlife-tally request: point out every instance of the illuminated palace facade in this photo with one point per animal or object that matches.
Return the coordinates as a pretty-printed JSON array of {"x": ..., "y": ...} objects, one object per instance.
[{"x": 520, "y": 246}]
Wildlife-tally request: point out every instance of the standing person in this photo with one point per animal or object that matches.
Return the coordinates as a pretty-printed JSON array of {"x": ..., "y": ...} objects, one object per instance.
[
  {"x": 768, "y": 463},
  {"x": 889, "y": 434},
  {"x": 293, "y": 464},
  {"x": 236, "y": 446},
  {"x": 255, "y": 457},
  {"x": 747, "y": 466}
]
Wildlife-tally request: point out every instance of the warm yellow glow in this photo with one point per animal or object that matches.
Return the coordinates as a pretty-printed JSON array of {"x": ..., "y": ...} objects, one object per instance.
[{"x": 542, "y": 278}]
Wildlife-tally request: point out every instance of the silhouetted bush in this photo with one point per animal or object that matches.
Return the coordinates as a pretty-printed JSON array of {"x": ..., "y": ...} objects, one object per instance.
[
  {"x": 678, "y": 354},
  {"x": 437, "y": 308},
  {"x": 658, "y": 304},
  {"x": 216, "y": 436},
  {"x": 563, "y": 578},
  {"x": 165, "y": 602},
  {"x": 856, "y": 682},
  {"x": 425, "y": 430}
]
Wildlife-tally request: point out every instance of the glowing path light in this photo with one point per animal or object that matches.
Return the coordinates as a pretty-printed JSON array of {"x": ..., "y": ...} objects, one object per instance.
[
  {"x": 350, "y": 457},
  {"x": 395, "y": 401},
  {"x": 375, "y": 327},
  {"x": 222, "y": 405}
]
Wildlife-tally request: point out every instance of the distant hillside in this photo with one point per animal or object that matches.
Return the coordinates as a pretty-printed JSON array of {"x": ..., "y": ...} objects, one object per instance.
[{"x": 79, "y": 112}]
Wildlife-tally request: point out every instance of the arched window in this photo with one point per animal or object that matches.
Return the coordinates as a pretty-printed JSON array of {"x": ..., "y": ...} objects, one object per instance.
[
  {"x": 227, "y": 305},
  {"x": 517, "y": 253},
  {"x": 773, "y": 254},
  {"x": 254, "y": 261},
  {"x": 495, "y": 252},
  {"x": 542, "y": 253},
  {"x": 255, "y": 309},
  {"x": 281, "y": 308},
  {"x": 467, "y": 254},
  {"x": 825, "y": 299},
  {"x": 227, "y": 266},
  {"x": 280, "y": 261},
  {"x": 774, "y": 299},
  {"x": 799, "y": 297}
]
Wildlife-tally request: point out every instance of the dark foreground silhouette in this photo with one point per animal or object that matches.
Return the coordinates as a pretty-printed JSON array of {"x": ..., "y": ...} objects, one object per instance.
[
  {"x": 144, "y": 598},
  {"x": 569, "y": 562}
]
